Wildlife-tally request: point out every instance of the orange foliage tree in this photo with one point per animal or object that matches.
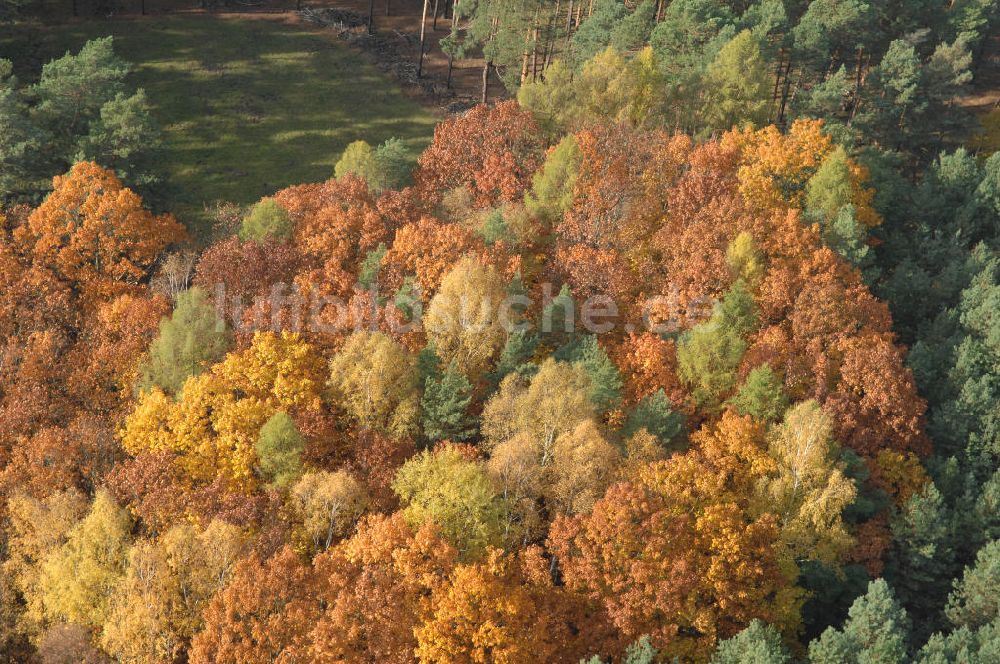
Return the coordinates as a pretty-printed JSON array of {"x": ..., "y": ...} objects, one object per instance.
[
  {"x": 491, "y": 151},
  {"x": 96, "y": 233},
  {"x": 264, "y": 614},
  {"x": 681, "y": 553}
]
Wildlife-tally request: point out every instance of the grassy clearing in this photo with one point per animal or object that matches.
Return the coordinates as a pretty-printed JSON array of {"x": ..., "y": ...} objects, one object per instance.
[{"x": 247, "y": 105}]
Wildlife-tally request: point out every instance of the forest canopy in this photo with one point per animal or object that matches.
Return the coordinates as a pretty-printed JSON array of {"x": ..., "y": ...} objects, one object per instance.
[{"x": 686, "y": 351}]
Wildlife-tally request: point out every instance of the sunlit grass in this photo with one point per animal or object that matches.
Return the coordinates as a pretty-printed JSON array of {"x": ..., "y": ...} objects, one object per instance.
[{"x": 247, "y": 106}]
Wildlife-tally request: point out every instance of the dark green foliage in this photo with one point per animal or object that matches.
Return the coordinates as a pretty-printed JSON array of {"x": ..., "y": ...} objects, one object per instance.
[
  {"x": 559, "y": 317},
  {"x": 922, "y": 560},
  {"x": 632, "y": 32},
  {"x": 393, "y": 161},
  {"x": 759, "y": 643},
  {"x": 428, "y": 365},
  {"x": 79, "y": 109},
  {"x": 877, "y": 630},
  {"x": 73, "y": 89},
  {"x": 831, "y": 593},
  {"x": 908, "y": 99},
  {"x": 125, "y": 138},
  {"x": 605, "y": 381},
  {"x": 656, "y": 415},
  {"x": 279, "y": 450},
  {"x": 594, "y": 34},
  {"x": 20, "y": 140},
  {"x": 11, "y": 10},
  {"x": 515, "y": 356},
  {"x": 445, "y": 406},
  {"x": 762, "y": 396},
  {"x": 975, "y": 600},
  {"x": 190, "y": 340},
  {"x": 849, "y": 239},
  {"x": 690, "y": 36},
  {"x": 870, "y": 500},
  {"x": 267, "y": 219},
  {"x": 370, "y": 266}
]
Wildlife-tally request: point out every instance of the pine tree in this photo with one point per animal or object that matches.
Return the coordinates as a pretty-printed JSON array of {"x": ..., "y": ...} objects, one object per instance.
[
  {"x": 444, "y": 407},
  {"x": 759, "y": 643},
  {"x": 921, "y": 563},
  {"x": 876, "y": 630},
  {"x": 762, "y": 396},
  {"x": 189, "y": 341},
  {"x": 963, "y": 645},
  {"x": 632, "y": 32},
  {"x": 85, "y": 108},
  {"x": 515, "y": 357},
  {"x": 605, "y": 381},
  {"x": 126, "y": 139},
  {"x": 656, "y": 415},
  {"x": 975, "y": 600},
  {"x": 370, "y": 266},
  {"x": 19, "y": 140},
  {"x": 595, "y": 34},
  {"x": 73, "y": 89}
]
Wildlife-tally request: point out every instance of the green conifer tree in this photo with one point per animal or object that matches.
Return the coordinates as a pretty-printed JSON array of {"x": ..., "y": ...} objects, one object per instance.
[{"x": 190, "y": 340}]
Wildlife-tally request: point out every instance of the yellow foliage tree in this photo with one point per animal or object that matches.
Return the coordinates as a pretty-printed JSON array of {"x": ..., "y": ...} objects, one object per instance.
[
  {"x": 214, "y": 425},
  {"x": 37, "y": 528},
  {"x": 454, "y": 492},
  {"x": 77, "y": 580},
  {"x": 809, "y": 490},
  {"x": 374, "y": 379},
  {"x": 328, "y": 505},
  {"x": 465, "y": 319},
  {"x": 282, "y": 371},
  {"x": 157, "y": 607},
  {"x": 553, "y": 403},
  {"x": 774, "y": 168},
  {"x": 584, "y": 464},
  {"x": 490, "y": 613}
]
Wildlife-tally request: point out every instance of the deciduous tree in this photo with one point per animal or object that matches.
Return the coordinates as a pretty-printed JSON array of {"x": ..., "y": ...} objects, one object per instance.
[
  {"x": 374, "y": 380},
  {"x": 454, "y": 492}
]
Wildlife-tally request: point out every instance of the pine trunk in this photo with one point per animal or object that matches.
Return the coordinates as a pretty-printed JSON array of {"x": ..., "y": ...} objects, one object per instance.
[
  {"x": 528, "y": 48},
  {"x": 569, "y": 21},
  {"x": 423, "y": 34},
  {"x": 550, "y": 36},
  {"x": 454, "y": 32},
  {"x": 486, "y": 81}
]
